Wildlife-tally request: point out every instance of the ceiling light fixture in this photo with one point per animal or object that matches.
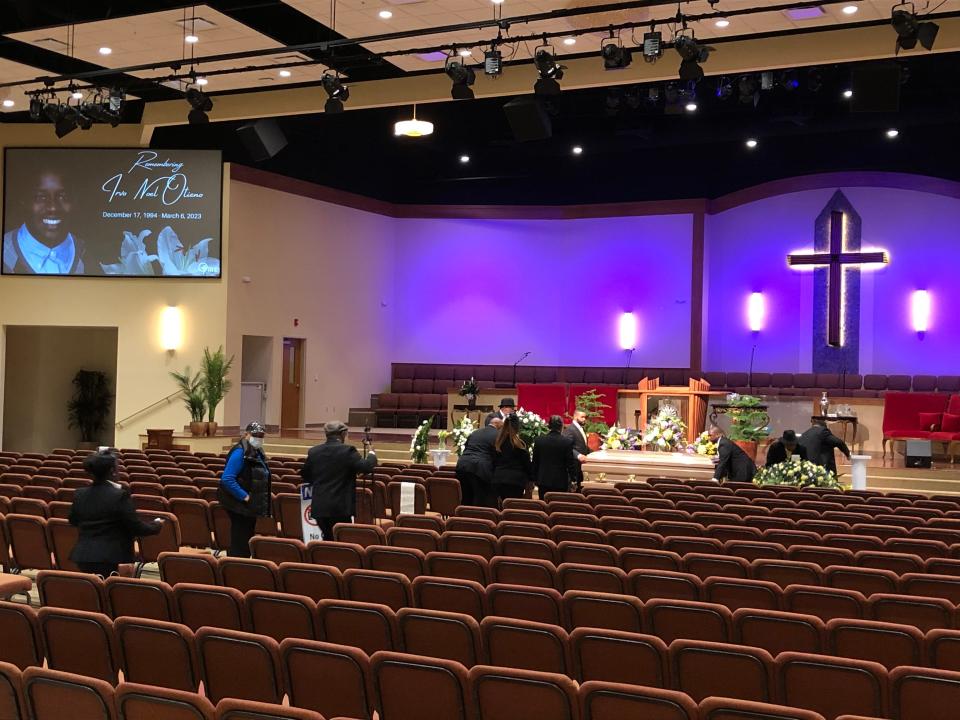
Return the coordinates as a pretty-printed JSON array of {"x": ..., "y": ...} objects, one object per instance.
[
  {"x": 848, "y": 94},
  {"x": 191, "y": 39},
  {"x": 615, "y": 55},
  {"x": 76, "y": 94},
  {"x": 385, "y": 14},
  {"x": 751, "y": 143},
  {"x": 105, "y": 51},
  {"x": 466, "y": 52},
  {"x": 462, "y": 77},
  {"x": 892, "y": 133},
  {"x": 549, "y": 70},
  {"x": 413, "y": 128},
  {"x": 577, "y": 150},
  {"x": 570, "y": 41},
  {"x": 464, "y": 159},
  {"x": 850, "y": 9},
  {"x": 691, "y": 106},
  {"x": 200, "y": 105},
  {"x": 284, "y": 73},
  {"x": 337, "y": 93},
  {"x": 722, "y": 23},
  {"x": 910, "y": 30},
  {"x": 8, "y": 103},
  {"x": 691, "y": 54},
  {"x": 202, "y": 81}
]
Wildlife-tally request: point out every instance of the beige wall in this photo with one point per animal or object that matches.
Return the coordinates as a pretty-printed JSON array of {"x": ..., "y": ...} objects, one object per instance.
[
  {"x": 38, "y": 382},
  {"x": 327, "y": 266},
  {"x": 131, "y": 305}
]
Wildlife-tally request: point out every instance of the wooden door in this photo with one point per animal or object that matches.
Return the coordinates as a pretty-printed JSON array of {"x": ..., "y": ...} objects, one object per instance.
[{"x": 292, "y": 393}]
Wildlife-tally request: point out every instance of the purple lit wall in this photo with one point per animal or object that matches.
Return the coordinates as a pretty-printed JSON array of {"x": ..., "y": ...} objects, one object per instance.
[
  {"x": 746, "y": 248},
  {"x": 486, "y": 291}
]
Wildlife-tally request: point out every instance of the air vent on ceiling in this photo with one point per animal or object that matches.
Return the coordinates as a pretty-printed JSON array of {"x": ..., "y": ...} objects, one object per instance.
[
  {"x": 811, "y": 12},
  {"x": 196, "y": 24},
  {"x": 290, "y": 58},
  {"x": 52, "y": 44}
]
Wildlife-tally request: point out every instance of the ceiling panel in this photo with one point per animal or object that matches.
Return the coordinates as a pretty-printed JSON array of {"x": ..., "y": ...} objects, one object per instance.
[{"x": 14, "y": 72}]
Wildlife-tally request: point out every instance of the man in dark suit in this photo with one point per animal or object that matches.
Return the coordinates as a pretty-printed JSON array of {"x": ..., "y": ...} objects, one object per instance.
[
  {"x": 553, "y": 460},
  {"x": 576, "y": 432},
  {"x": 732, "y": 462},
  {"x": 332, "y": 470},
  {"x": 507, "y": 407},
  {"x": 475, "y": 466},
  {"x": 820, "y": 443},
  {"x": 786, "y": 447}
]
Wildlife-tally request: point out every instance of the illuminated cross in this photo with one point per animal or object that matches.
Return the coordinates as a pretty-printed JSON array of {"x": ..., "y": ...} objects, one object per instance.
[{"x": 836, "y": 259}]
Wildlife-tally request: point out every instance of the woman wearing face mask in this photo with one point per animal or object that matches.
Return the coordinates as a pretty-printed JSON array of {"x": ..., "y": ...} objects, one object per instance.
[{"x": 245, "y": 488}]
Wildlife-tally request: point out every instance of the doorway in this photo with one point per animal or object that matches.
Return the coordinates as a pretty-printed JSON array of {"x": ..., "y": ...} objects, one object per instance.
[
  {"x": 291, "y": 397},
  {"x": 256, "y": 360}
]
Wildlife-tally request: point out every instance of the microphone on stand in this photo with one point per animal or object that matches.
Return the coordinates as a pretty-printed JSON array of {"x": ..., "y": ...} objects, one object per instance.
[
  {"x": 522, "y": 358},
  {"x": 753, "y": 352}
]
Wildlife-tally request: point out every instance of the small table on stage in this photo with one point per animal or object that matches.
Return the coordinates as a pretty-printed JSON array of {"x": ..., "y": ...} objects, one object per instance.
[
  {"x": 844, "y": 420},
  {"x": 480, "y": 410}
]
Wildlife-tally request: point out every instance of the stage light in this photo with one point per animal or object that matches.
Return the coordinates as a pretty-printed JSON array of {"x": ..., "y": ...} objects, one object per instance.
[
  {"x": 105, "y": 51},
  {"x": 385, "y": 14},
  {"x": 549, "y": 70},
  {"x": 577, "y": 150},
  {"x": 171, "y": 328},
  {"x": 464, "y": 159},
  {"x": 751, "y": 143},
  {"x": 850, "y": 9},
  {"x": 66, "y": 123},
  {"x": 191, "y": 39},
  {"x": 910, "y": 30},
  {"x": 8, "y": 103},
  {"x": 615, "y": 56},
  {"x": 493, "y": 62},
  {"x": 200, "y": 105},
  {"x": 847, "y": 94},
  {"x": 414, "y": 127},
  {"x": 461, "y": 76},
  {"x": 627, "y": 331},
  {"x": 724, "y": 88},
  {"x": 284, "y": 73},
  {"x": 652, "y": 46},
  {"x": 116, "y": 98},
  {"x": 36, "y": 107},
  {"x": 756, "y": 311},
  {"x": 749, "y": 89},
  {"x": 691, "y": 54},
  {"x": 84, "y": 122},
  {"x": 337, "y": 93},
  {"x": 722, "y": 23},
  {"x": 920, "y": 306},
  {"x": 892, "y": 133},
  {"x": 789, "y": 81},
  {"x": 569, "y": 41}
]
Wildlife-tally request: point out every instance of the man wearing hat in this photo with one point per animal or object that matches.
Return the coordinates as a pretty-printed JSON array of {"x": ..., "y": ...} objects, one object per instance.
[
  {"x": 332, "y": 469},
  {"x": 507, "y": 407},
  {"x": 785, "y": 448}
]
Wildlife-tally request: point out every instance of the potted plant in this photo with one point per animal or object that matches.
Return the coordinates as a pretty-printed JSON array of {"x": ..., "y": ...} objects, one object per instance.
[
  {"x": 89, "y": 406},
  {"x": 591, "y": 402},
  {"x": 192, "y": 389},
  {"x": 470, "y": 390},
  {"x": 214, "y": 368},
  {"x": 748, "y": 422}
]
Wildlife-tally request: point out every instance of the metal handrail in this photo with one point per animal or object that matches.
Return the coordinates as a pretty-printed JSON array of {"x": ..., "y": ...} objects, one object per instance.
[{"x": 168, "y": 399}]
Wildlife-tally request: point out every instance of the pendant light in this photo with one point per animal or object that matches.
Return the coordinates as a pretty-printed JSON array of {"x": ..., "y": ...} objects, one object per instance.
[{"x": 414, "y": 127}]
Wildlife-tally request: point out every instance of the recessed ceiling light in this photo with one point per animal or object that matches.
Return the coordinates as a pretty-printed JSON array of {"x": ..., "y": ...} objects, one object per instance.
[
  {"x": 722, "y": 23},
  {"x": 497, "y": 2},
  {"x": 570, "y": 41},
  {"x": 105, "y": 51},
  {"x": 385, "y": 14},
  {"x": 201, "y": 81},
  {"x": 464, "y": 159},
  {"x": 848, "y": 94},
  {"x": 285, "y": 73},
  {"x": 577, "y": 150},
  {"x": 76, "y": 95},
  {"x": 850, "y": 9},
  {"x": 8, "y": 103},
  {"x": 466, "y": 53},
  {"x": 191, "y": 39},
  {"x": 690, "y": 106},
  {"x": 751, "y": 143},
  {"x": 892, "y": 133}
]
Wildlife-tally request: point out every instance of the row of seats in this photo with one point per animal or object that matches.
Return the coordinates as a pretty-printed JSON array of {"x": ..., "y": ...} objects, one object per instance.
[
  {"x": 42, "y": 694},
  {"x": 281, "y": 657}
]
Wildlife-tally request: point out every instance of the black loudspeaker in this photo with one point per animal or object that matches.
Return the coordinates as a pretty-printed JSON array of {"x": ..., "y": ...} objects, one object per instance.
[
  {"x": 919, "y": 454},
  {"x": 876, "y": 88},
  {"x": 528, "y": 119},
  {"x": 263, "y": 139}
]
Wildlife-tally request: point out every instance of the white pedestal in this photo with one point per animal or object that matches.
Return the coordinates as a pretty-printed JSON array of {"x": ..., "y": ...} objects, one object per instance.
[
  {"x": 440, "y": 457},
  {"x": 858, "y": 471}
]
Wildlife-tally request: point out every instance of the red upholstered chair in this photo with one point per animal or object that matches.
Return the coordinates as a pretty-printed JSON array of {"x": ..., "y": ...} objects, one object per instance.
[{"x": 901, "y": 415}]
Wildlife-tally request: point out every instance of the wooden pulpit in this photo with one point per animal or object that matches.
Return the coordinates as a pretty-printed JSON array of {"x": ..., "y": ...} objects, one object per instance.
[{"x": 692, "y": 401}]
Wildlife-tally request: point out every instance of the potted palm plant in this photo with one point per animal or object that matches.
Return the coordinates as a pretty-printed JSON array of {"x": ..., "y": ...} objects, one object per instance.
[
  {"x": 191, "y": 386},
  {"x": 89, "y": 406},
  {"x": 214, "y": 368}
]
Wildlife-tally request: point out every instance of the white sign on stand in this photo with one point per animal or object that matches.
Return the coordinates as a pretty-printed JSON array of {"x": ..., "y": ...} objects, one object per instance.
[{"x": 311, "y": 531}]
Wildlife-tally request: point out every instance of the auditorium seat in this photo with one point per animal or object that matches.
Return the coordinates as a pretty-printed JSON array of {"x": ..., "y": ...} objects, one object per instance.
[
  {"x": 437, "y": 634},
  {"x": 526, "y": 645},
  {"x": 778, "y": 632},
  {"x": 506, "y": 694},
  {"x": 736, "y": 593},
  {"x": 22, "y": 644},
  {"x": 206, "y": 605},
  {"x": 522, "y": 602},
  {"x": 368, "y": 626},
  {"x": 650, "y": 584},
  {"x": 281, "y": 615},
  {"x": 362, "y": 535},
  {"x": 71, "y": 590},
  {"x": 318, "y": 582},
  {"x": 11, "y": 695},
  {"x": 832, "y": 686},
  {"x": 612, "y": 701},
  {"x": 923, "y": 613},
  {"x": 403, "y": 560},
  {"x": 345, "y": 691},
  {"x": 47, "y": 692},
  {"x": 673, "y": 619},
  {"x": 722, "y": 708},
  {"x": 141, "y": 598},
  {"x": 239, "y": 665},
  {"x": 200, "y": 569},
  {"x": 601, "y": 610},
  {"x": 386, "y": 588},
  {"x": 79, "y": 642},
  {"x": 144, "y": 702},
  {"x": 339, "y": 554},
  {"x": 825, "y": 603},
  {"x": 159, "y": 653},
  {"x": 924, "y": 694},
  {"x": 705, "y": 669},
  {"x": 864, "y": 580},
  {"x": 889, "y": 644}
]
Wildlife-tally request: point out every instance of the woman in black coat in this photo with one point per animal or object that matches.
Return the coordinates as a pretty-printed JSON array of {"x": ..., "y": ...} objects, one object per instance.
[
  {"x": 512, "y": 469},
  {"x": 107, "y": 520}
]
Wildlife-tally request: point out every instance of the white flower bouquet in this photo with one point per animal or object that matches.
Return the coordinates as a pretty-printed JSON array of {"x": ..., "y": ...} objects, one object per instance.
[
  {"x": 460, "y": 432},
  {"x": 420, "y": 443},
  {"x": 532, "y": 426},
  {"x": 665, "y": 431},
  {"x": 801, "y": 473},
  {"x": 618, "y": 438}
]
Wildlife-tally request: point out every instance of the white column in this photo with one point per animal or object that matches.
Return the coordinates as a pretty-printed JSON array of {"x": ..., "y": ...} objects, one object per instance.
[{"x": 858, "y": 471}]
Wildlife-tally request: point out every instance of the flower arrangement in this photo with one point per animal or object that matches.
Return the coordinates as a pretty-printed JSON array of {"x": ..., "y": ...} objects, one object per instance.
[
  {"x": 442, "y": 439},
  {"x": 460, "y": 432},
  {"x": 532, "y": 426},
  {"x": 419, "y": 445},
  {"x": 174, "y": 258},
  {"x": 469, "y": 389},
  {"x": 665, "y": 431},
  {"x": 703, "y": 445},
  {"x": 618, "y": 438},
  {"x": 798, "y": 474}
]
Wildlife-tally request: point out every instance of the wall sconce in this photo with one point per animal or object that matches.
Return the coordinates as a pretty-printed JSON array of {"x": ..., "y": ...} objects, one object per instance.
[
  {"x": 171, "y": 328},
  {"x": 628, "y": 331},
  {"x": 920, "y": 304},
  {"x": 756, "y": 311}
]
